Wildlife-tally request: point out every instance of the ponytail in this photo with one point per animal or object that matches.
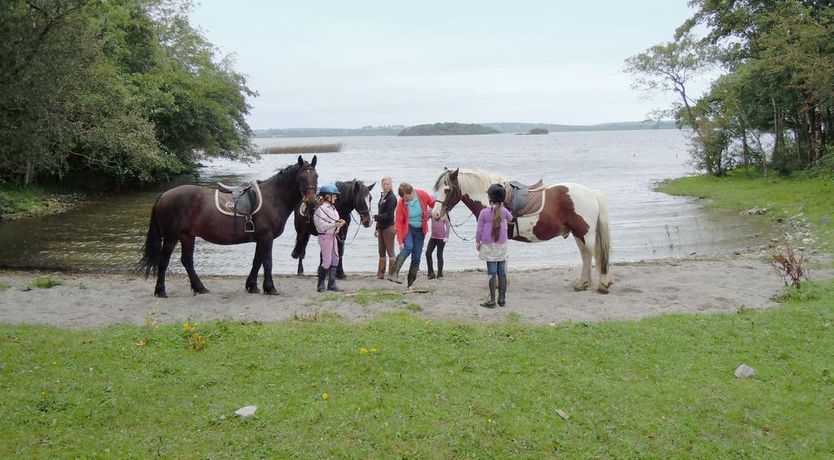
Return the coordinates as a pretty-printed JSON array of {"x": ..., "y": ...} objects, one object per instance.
[{"x": 496, "y": 220}]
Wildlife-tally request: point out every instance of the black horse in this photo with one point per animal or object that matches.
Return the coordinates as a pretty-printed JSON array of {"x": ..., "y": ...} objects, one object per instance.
[
  {"x": 188, "y": 211},
  {"x": 353, "y": 195}
]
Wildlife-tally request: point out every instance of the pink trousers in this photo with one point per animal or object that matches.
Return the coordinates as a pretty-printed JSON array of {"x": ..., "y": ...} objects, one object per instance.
[{"x": 329, "y": 250}]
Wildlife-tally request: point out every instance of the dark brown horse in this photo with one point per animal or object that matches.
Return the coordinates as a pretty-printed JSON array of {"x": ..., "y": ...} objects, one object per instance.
[
  {"x": 353, "y": 195},
  {"x": 188, "y": 211},
  {"x": 552, "y": 210}
]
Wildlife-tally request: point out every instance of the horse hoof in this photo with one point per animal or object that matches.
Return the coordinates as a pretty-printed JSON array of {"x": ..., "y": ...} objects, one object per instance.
[
  {"x": 341, "y": 277},
  {"x": 602, "y": 290},
  {"x": 271, "y": 291},
  {"x": 201, "y": 291},
  {"x": 160, "y": 295},
  {"x": 580, "y": 287},
  {"x": 253, "y": 290}
]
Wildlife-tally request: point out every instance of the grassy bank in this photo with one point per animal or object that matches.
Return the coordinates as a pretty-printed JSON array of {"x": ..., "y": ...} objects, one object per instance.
[
  {"x": 784, "y": 197},
  {"x": 400, "y": 386},
  {"x": 16, "y": 202}
]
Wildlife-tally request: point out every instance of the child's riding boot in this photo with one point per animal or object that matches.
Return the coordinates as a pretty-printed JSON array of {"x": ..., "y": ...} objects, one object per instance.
[
  {"x": 331, "y": 279},
  {"x": 491, "y": 302},
  {"x": 321, "y": 274},
  {"x": 502, "y": 290},
  {"x": 430, "y": 267}
]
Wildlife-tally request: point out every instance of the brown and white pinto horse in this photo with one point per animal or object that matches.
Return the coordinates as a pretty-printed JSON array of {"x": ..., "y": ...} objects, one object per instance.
[
  {"x": 188, "y": 211},
  {"x": 566, "y": 209}
]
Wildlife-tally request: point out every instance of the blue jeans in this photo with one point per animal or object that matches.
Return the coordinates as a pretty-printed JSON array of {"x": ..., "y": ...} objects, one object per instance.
[
  {"x": 413, "y": 245},
  {"x": 497, "y": 268}
]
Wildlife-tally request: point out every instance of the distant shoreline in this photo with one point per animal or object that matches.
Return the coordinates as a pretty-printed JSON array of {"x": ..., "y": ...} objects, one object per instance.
[{"x": 503, "y": 127}]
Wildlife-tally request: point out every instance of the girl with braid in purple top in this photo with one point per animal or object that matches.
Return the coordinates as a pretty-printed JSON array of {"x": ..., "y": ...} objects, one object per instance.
[{"x": 491, "y": 243}]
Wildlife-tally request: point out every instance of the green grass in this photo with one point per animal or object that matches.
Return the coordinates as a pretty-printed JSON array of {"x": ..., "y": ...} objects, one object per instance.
[
  {"x": 784, "y": 197},
  {"x": 16, "y": 199},
  {"x": 46, "y": 282},
  {"x": 661, "y": 387}
]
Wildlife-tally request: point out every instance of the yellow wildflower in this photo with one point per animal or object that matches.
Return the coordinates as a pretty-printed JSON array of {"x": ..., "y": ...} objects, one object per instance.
[
  {"x": 186, "y": 327},
  {"x": 373, "y": 350},
  {"x": 363, "y": 351},
  {"x": 325, "y": 396},
  {"x": 142, "y": 342}
]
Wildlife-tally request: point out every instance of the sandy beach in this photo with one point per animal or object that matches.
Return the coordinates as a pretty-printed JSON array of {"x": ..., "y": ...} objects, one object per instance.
[{"x": 544, "y": 296}]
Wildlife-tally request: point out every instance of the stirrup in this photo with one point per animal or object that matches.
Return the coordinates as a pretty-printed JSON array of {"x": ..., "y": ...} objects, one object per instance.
[{"x": 248, "y": 225}]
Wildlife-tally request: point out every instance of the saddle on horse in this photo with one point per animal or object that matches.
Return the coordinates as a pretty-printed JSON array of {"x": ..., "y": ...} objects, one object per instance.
[
  {"x": 523, "y": 199},
  {"x": 242, "y": 200}
]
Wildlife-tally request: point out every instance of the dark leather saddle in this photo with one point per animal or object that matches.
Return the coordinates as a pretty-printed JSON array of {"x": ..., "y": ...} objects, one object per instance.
[
  {"x": 241, "y": 200},
  {"x": 522, "y": 199}
]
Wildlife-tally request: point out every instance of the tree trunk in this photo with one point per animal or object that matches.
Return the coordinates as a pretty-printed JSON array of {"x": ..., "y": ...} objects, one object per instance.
[{"x": 27, "y": 173}]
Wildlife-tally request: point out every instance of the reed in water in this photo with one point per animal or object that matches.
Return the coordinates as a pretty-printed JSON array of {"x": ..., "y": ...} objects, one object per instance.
[{"x": 317, "y": 148}]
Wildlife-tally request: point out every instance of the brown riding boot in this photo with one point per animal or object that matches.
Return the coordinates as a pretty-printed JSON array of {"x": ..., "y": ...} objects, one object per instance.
[{"x": 380, "y": 269}]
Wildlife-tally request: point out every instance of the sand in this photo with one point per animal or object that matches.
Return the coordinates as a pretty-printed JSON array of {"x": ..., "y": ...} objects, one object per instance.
[{"x": 693, "y": 285}]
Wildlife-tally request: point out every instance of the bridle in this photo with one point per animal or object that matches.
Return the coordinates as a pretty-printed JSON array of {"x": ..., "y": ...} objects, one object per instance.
[
  {"x": 304, "y": 190},
  {"x": 444, "y": 206}
]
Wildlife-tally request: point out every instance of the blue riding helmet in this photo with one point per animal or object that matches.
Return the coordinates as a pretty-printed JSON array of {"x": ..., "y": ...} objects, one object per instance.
[{"x": 328, "y": 189}]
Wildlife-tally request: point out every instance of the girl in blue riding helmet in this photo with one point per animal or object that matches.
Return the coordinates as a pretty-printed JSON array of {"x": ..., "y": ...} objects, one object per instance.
[{"x": 327, "y": 222}]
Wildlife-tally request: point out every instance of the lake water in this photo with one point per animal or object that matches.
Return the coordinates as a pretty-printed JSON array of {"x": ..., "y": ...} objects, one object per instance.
[{"x": 107, "y": 233}]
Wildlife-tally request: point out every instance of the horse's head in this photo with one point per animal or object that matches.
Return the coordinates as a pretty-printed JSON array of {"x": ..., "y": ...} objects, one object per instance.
[
  {"x": 362, "y": 200},
  {"x": 448, "y": 192},
  {"x": 307, "y": 179}
]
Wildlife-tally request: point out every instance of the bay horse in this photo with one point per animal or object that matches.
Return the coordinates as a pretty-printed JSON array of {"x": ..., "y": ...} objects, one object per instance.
[
  {"x": 558, "y": 210},
  {"x": 353, "y": 195},
  {"x": 183, "y": 213}
]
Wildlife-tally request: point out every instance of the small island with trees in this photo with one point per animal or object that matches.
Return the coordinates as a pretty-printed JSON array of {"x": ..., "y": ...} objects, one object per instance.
[{"x": 447, "y": 129}]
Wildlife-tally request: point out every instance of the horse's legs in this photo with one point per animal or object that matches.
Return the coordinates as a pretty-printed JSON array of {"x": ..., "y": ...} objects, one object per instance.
[
  {"x": 586, "y": 250},
  {"x": 164, "y": 259},
  {"x": 187, "y": 259},
  {"x": 340, "y": 272},
  {"x": 302, "y": 237},
  {"x": 605, "y": 279},
  {"x": 252, "y": 279},
  {"x": 266, "y": 259}
]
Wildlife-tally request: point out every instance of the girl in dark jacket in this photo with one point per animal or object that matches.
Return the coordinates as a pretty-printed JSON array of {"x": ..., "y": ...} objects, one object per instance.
[{"x": 385, "y": 232}]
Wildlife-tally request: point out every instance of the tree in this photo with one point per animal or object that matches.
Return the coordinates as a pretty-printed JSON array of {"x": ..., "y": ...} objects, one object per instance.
[
  {"x": 122, "y": 91},
  {"x": 670, "y": 67}
]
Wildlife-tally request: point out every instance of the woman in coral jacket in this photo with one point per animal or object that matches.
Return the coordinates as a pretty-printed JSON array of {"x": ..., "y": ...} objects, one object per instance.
[{"x": 411, "y": 221}]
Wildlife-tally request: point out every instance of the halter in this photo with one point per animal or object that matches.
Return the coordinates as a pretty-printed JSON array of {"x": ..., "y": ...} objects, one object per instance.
[
  {"x": 445, "y": 207},
  {"x": 309, "y": 187}
]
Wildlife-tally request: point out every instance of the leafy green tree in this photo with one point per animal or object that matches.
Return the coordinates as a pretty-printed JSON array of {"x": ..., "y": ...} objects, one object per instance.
[{"x": 124, "y": 91}]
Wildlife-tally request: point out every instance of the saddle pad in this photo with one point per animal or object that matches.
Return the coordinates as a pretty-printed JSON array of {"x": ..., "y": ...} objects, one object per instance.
[
  {"x": 226, "y": 204},
  {"x": 534, "y": 205}
]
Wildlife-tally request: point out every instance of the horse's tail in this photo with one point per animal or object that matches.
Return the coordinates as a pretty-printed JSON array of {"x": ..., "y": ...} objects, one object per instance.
[
  {"x": 603, "y": 242},
  {"x": 152, "y": 249}
]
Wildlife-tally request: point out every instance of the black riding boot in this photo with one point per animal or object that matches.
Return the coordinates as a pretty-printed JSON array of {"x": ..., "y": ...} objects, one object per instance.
[
  {"x": 412, "y": 275},
  {"x": 430, "y": 267},
  {"x": 439, "y": 266},
  {"x": 502, "y": 290},
  {"x": 394, "y": 274},
  {"x": 491, "y": 302},
  {"x": 331, "y": 279},
  {"x": 322, "y": 275}
]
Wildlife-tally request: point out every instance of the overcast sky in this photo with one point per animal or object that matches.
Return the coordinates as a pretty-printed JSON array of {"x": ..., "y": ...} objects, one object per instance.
[{"x": 355, "y": 63}]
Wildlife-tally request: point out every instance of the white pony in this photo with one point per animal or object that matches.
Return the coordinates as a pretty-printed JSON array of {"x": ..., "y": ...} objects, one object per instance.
[{"x": 542, "y": 213}]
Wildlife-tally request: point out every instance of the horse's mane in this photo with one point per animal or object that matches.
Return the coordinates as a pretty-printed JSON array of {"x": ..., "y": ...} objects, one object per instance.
[
  {"x": 286, "y": 175},
  {"x": 472, "y": 180}
]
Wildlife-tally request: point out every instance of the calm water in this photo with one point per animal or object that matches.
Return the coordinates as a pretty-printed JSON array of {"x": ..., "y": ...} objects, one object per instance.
[{"x": 108, "y": 232}]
